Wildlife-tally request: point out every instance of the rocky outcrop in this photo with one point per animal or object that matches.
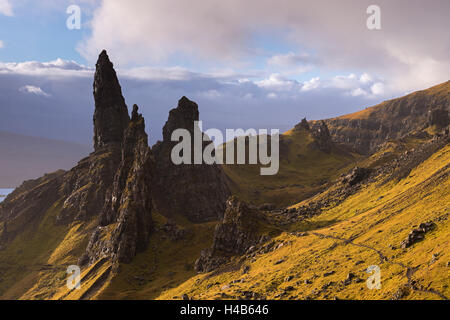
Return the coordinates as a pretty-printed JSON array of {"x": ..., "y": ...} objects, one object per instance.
[
  {"x": 322, "y": 138},
  {"x": 393, "y": 119},
  {"x": 418, "y": 234},
  {"x": 357, "y": 175},
  {"x": 196, "y": 191},
  {"x": 111, "y": 114},
  {"x": 302, "y": 125},
  {"x": 117, "y": 184},
  {"x": 128, "y": 205},
  {"x": 237, "y": 232},
  {"x": 124, "y": 218},
  {"x": 438, "y": 117},
  {"x": 111, "y": 186},
  {"x": 85, "y": 186}
]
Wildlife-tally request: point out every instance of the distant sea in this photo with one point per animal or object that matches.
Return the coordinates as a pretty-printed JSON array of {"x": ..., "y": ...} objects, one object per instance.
[{"x": 4, "y": 193}]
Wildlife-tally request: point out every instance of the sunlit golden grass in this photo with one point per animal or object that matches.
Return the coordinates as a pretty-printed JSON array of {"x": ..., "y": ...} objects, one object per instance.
[{"x": 380, "y": 217}]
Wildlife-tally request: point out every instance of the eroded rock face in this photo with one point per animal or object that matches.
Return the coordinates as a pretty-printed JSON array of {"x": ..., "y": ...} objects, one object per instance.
[
  {"x": 237, "y": 232},
  {"x": 124, "y": 201},
  {"x": 196, "y": 191},
  {"x": 357, "y": 175},
  {"x": 111, "y": 114},
  {"x": 322, "y": 137},
  {"x": 438, "y": 117},
  {"x": 85, "y": 186},
  {"x": 393, "y": 119},
  {"x": 130, "y": 203},
  {"x": 418, "y": 234}
]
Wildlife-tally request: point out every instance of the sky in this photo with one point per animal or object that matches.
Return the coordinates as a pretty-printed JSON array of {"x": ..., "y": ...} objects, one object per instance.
[{"x": 260, "y": 64}]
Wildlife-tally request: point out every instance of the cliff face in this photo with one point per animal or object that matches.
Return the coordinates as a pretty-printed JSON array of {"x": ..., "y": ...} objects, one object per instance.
[
  {"x": 365, "y": 131},
  {"x": 128, "y": 204},
  {"x": 236, "y": 233},
  {"x": 111, "y": 114},
  {"x": 196, "y": 191}
]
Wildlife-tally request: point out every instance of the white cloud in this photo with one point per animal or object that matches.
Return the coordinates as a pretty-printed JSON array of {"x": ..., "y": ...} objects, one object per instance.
[
  {"x": 358, "y": 92},
  {"x": 154, "y": 31},
  {"x": 1, "y": 44},
  {"x": 56, "y": 68},
  {"x": 365, "y": 78},
  {"x": 345, "y": 82},
  {"x": 377, "y": 88},
  {"x": 277, "y": 82},
  {"x": 6, "y": 8},
  {"x": 311, "y": 84},
  {"x": 292, "y": 63},
  {"x": 34, "y": 90}
]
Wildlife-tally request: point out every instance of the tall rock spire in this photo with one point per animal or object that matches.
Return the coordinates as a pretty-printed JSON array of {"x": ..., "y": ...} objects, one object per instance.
[
  {"x": 111, "y": 114},
  {"x": 196, "y": 191}
]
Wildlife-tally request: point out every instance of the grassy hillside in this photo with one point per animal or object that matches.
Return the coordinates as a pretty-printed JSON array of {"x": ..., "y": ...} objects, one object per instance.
[
  {"x": 366, "y": 229},
  {"x": 317, "y": 243},
  {"x": 303, "y": 172}
]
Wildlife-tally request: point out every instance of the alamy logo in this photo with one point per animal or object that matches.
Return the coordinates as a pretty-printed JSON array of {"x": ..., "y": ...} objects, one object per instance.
[
  {"x": 74, "y": 280},
  {"x": 374, "y": 20},
  {"x": 257, "y": 141},
  {"x": 74, "y": 20},
  {"x": 374, "y": 281}
]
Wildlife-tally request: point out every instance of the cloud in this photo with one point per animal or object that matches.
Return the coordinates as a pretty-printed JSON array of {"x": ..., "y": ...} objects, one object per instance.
[
  {"x": 33, "y": 90},
  {"x": 331, "y": 35},
  {"x": 377, "y": 88},
  {"x": 6, "y": 8},
  {"x": 56, "y": 68},
  {"x": 277, "y": 82},
  {"x": 226, "y": 99},
  {"x": 365, "y": 78},
  {"x": 311, "y": 84},
  {"x": 364, "y": 85},
  {"x": 292, "y": 63},
  {"x": 358, "y": 92},
  {"x": 1, "y": 44}
]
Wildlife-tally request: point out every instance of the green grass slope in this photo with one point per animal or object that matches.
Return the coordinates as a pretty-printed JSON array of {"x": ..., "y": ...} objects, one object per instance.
[
  {"x": 367, "y": 229},
  {"x": 303, "y": 172}
]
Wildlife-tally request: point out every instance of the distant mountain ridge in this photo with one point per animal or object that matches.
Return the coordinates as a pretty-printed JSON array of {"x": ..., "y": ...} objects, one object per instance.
[{"x": 25, "y": 157}]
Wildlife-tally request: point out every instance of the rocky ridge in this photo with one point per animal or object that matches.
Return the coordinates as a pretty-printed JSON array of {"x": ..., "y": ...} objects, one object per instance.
[{"x": 366, "y": 130}]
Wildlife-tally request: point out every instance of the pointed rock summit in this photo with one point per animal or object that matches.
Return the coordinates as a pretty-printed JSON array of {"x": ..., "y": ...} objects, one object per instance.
[
  {"x": 181, "y": 117},
  {"x": 111, "y": 114},
  {"x": 302, "y": 125},
  {"x": 196, "y": 191},
  {"x": 234, "y": 235}
]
